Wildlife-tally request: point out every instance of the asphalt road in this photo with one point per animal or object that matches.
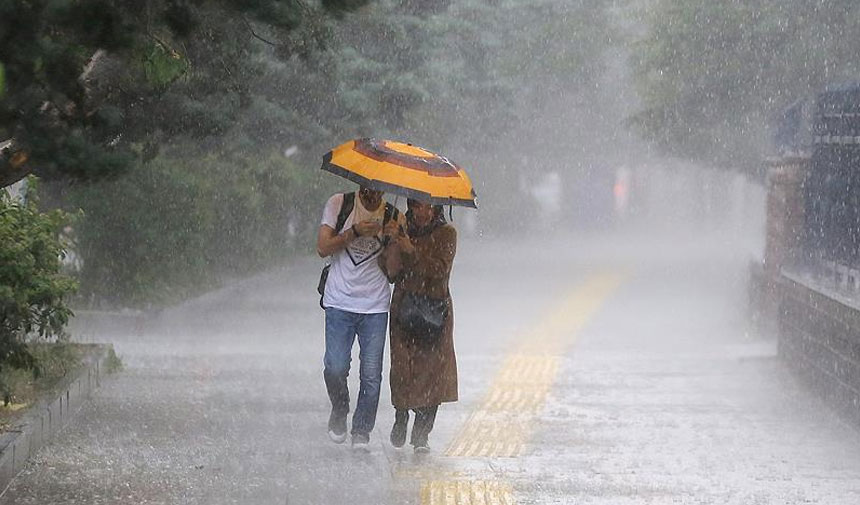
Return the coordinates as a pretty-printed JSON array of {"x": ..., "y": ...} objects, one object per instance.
[{"x": 594, "y": 370}]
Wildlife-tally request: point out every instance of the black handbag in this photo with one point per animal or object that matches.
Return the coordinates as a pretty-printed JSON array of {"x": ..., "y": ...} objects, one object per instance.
[{"x": 422, "y": 317}]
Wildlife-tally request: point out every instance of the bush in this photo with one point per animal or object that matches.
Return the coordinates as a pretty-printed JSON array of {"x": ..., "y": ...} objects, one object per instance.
[
  {"x": 176, "y": 226},
  {"x": 33, "y": 290},
  {"x": 22, "y": 387},
  {"x": 142, "y": 234}
]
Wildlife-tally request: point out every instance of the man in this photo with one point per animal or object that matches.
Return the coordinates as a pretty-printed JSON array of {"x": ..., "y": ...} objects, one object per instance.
[{"x": 356, "y": 301}]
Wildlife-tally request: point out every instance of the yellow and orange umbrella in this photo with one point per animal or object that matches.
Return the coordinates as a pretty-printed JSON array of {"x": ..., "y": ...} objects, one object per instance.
[{"x": 402, "y": 169}]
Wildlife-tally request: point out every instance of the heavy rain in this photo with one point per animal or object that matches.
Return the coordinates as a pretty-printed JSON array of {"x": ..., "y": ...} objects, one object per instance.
[{"x": 429, "y": 252}]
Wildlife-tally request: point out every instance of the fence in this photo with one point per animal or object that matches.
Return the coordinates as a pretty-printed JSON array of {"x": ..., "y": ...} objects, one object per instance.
[{"x": 830, "y": 245}]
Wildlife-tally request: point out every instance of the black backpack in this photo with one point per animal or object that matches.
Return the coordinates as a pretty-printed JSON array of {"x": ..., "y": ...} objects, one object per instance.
[{"x": 345, "y": 210}]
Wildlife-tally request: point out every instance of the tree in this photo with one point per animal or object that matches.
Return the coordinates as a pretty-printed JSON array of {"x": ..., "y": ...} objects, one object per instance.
[
  {"x": 452, "y": 78},
  {"x": 33, "y": 291},
  {"x": 712, "y": 74},
  {"x": 199, "y": 105},
  {"x": 90, "y": 84}
]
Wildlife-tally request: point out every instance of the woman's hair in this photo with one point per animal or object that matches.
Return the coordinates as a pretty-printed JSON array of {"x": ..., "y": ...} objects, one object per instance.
[
  {"x": 437, "y": 209},
  {"x": 438, "y": 218}
]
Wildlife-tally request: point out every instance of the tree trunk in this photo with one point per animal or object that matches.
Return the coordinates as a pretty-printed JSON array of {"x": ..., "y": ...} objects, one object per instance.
[{"x": 13, "y": 164}]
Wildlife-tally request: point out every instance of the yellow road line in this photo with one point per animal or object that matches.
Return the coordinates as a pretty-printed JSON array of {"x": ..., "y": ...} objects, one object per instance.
[
  {"x": 475, "y": 492},
  {"x": 501, "y": 425}
]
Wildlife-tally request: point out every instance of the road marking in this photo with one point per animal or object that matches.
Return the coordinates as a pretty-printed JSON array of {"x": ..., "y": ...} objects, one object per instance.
[
  {"x": 501, "y": 425},
  {"x": 474, "y": 492}
]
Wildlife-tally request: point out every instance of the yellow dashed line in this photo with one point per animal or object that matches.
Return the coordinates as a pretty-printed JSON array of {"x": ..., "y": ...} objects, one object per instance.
[
  {"x": 474, "y": 492},
  {"x": 501, "y": 425}
]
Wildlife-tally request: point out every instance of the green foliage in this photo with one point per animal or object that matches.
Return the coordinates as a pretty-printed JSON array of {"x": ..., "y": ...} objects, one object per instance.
[
  {"x": 45, "y": 46},
  {"x": 112, "y": 363},
  {"x": 489, "y": 89},
  {"x": 33, "y": 292},
  {"x": 55, "y": 360},
  {"x": 2, "y": 80},
  {"x": 12, "y": 382},
  {"x": 197, "y": 109},
  {"x": 342, "y": 6},
  {"x": 52, "y": 362},
  {"x": 184, "y": 223},
  {"x": 711, "y": 74},
  {"x": 140, "y": 234},
  {"x": 66, "y": 60},
  {"x": 163, "y": 65}
]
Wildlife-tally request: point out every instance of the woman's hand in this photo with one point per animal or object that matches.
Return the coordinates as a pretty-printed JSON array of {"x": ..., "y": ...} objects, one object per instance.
[{"x": 405, "y": 244}]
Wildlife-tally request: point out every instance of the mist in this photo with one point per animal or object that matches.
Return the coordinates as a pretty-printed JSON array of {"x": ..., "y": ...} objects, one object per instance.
[{"x": 642, "y": 312}]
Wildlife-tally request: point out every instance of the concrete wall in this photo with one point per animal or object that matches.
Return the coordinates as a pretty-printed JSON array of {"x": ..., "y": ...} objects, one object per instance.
[
  {"x": 45, "y": 419},
  {"x": 819, "y": 336},
  {"x": 818, "y": 327}
]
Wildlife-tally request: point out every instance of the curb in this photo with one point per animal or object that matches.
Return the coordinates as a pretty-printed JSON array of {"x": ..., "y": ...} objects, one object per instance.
[{"x": 47, "y": 417}]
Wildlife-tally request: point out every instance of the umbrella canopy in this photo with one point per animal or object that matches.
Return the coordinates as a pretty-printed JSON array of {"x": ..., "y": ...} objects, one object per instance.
[{"x": 401, "y": 169}]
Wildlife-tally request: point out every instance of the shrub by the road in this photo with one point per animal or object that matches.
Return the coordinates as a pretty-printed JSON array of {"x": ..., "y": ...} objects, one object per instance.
[{"x": 33, "y": 289}]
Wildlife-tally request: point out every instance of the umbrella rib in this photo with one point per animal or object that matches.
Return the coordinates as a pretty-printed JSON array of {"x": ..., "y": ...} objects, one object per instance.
[{"x": 391, "y": 188}]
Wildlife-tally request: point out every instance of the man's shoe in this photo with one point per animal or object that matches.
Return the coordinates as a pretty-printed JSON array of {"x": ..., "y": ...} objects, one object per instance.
[
  {"x": 421, "y": 448},
  {"x": 337, "y": 428},
  {"x": 337, "y": 438},
  {"x": 360, "y": 441},
  {"x": 398, "y": 433}
]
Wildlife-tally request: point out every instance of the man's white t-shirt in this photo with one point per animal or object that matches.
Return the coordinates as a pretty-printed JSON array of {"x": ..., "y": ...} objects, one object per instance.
[{"x": 355, "y": 281}]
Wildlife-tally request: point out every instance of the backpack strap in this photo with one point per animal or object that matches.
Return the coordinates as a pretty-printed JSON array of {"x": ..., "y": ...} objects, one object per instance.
[{"x": 345, "y": 210}]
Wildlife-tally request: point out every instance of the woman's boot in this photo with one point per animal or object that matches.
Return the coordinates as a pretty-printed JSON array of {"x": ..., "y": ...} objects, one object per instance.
[
  {"x": 421, "y": 428},
  {"x": 398, "y": 431}
]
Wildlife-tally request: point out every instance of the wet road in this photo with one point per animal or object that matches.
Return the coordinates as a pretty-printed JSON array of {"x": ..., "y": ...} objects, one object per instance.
[{"x": 599, "y": 370}]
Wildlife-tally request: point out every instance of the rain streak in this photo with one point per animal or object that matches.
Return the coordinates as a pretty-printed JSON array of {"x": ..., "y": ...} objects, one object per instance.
[{"x": 429, "y": 252}]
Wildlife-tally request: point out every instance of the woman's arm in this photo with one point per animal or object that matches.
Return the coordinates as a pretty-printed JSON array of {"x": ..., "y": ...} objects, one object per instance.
[{"x": 390, "y": 261}]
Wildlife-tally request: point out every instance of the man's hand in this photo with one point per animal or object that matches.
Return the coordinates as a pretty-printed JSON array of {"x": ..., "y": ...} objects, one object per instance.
[
  {"x": 367, "y": 228},
  {"x": 391, "y": 229}
]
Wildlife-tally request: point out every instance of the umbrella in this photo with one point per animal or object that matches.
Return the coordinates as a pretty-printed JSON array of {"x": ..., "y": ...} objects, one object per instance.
[{"x": 401, "y": 169}]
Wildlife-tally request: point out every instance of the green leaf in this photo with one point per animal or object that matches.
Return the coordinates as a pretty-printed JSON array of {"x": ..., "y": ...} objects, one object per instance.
[{"x": 163, "y": 66}]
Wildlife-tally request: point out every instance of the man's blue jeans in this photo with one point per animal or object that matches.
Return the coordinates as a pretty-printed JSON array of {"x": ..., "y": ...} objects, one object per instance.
[{"x": 341, "y": 327}]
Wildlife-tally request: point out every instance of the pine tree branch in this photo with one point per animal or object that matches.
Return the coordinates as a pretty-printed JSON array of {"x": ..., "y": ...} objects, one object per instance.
[{"x": 251, "y": 29}]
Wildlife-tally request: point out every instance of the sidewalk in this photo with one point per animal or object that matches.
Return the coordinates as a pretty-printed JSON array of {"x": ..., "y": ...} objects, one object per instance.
[{"x": 644, "y": 391}]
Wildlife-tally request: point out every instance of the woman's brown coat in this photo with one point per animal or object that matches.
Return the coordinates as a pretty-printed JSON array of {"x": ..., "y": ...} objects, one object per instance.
[{"x": 422, "y": 375}]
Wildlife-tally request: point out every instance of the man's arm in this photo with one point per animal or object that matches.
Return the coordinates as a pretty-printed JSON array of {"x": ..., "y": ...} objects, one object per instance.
[{"x": 329, "y": 242}]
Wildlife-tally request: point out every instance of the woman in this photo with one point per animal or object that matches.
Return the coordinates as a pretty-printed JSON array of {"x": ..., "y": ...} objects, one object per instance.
[{"x": 423, "y": 364}]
